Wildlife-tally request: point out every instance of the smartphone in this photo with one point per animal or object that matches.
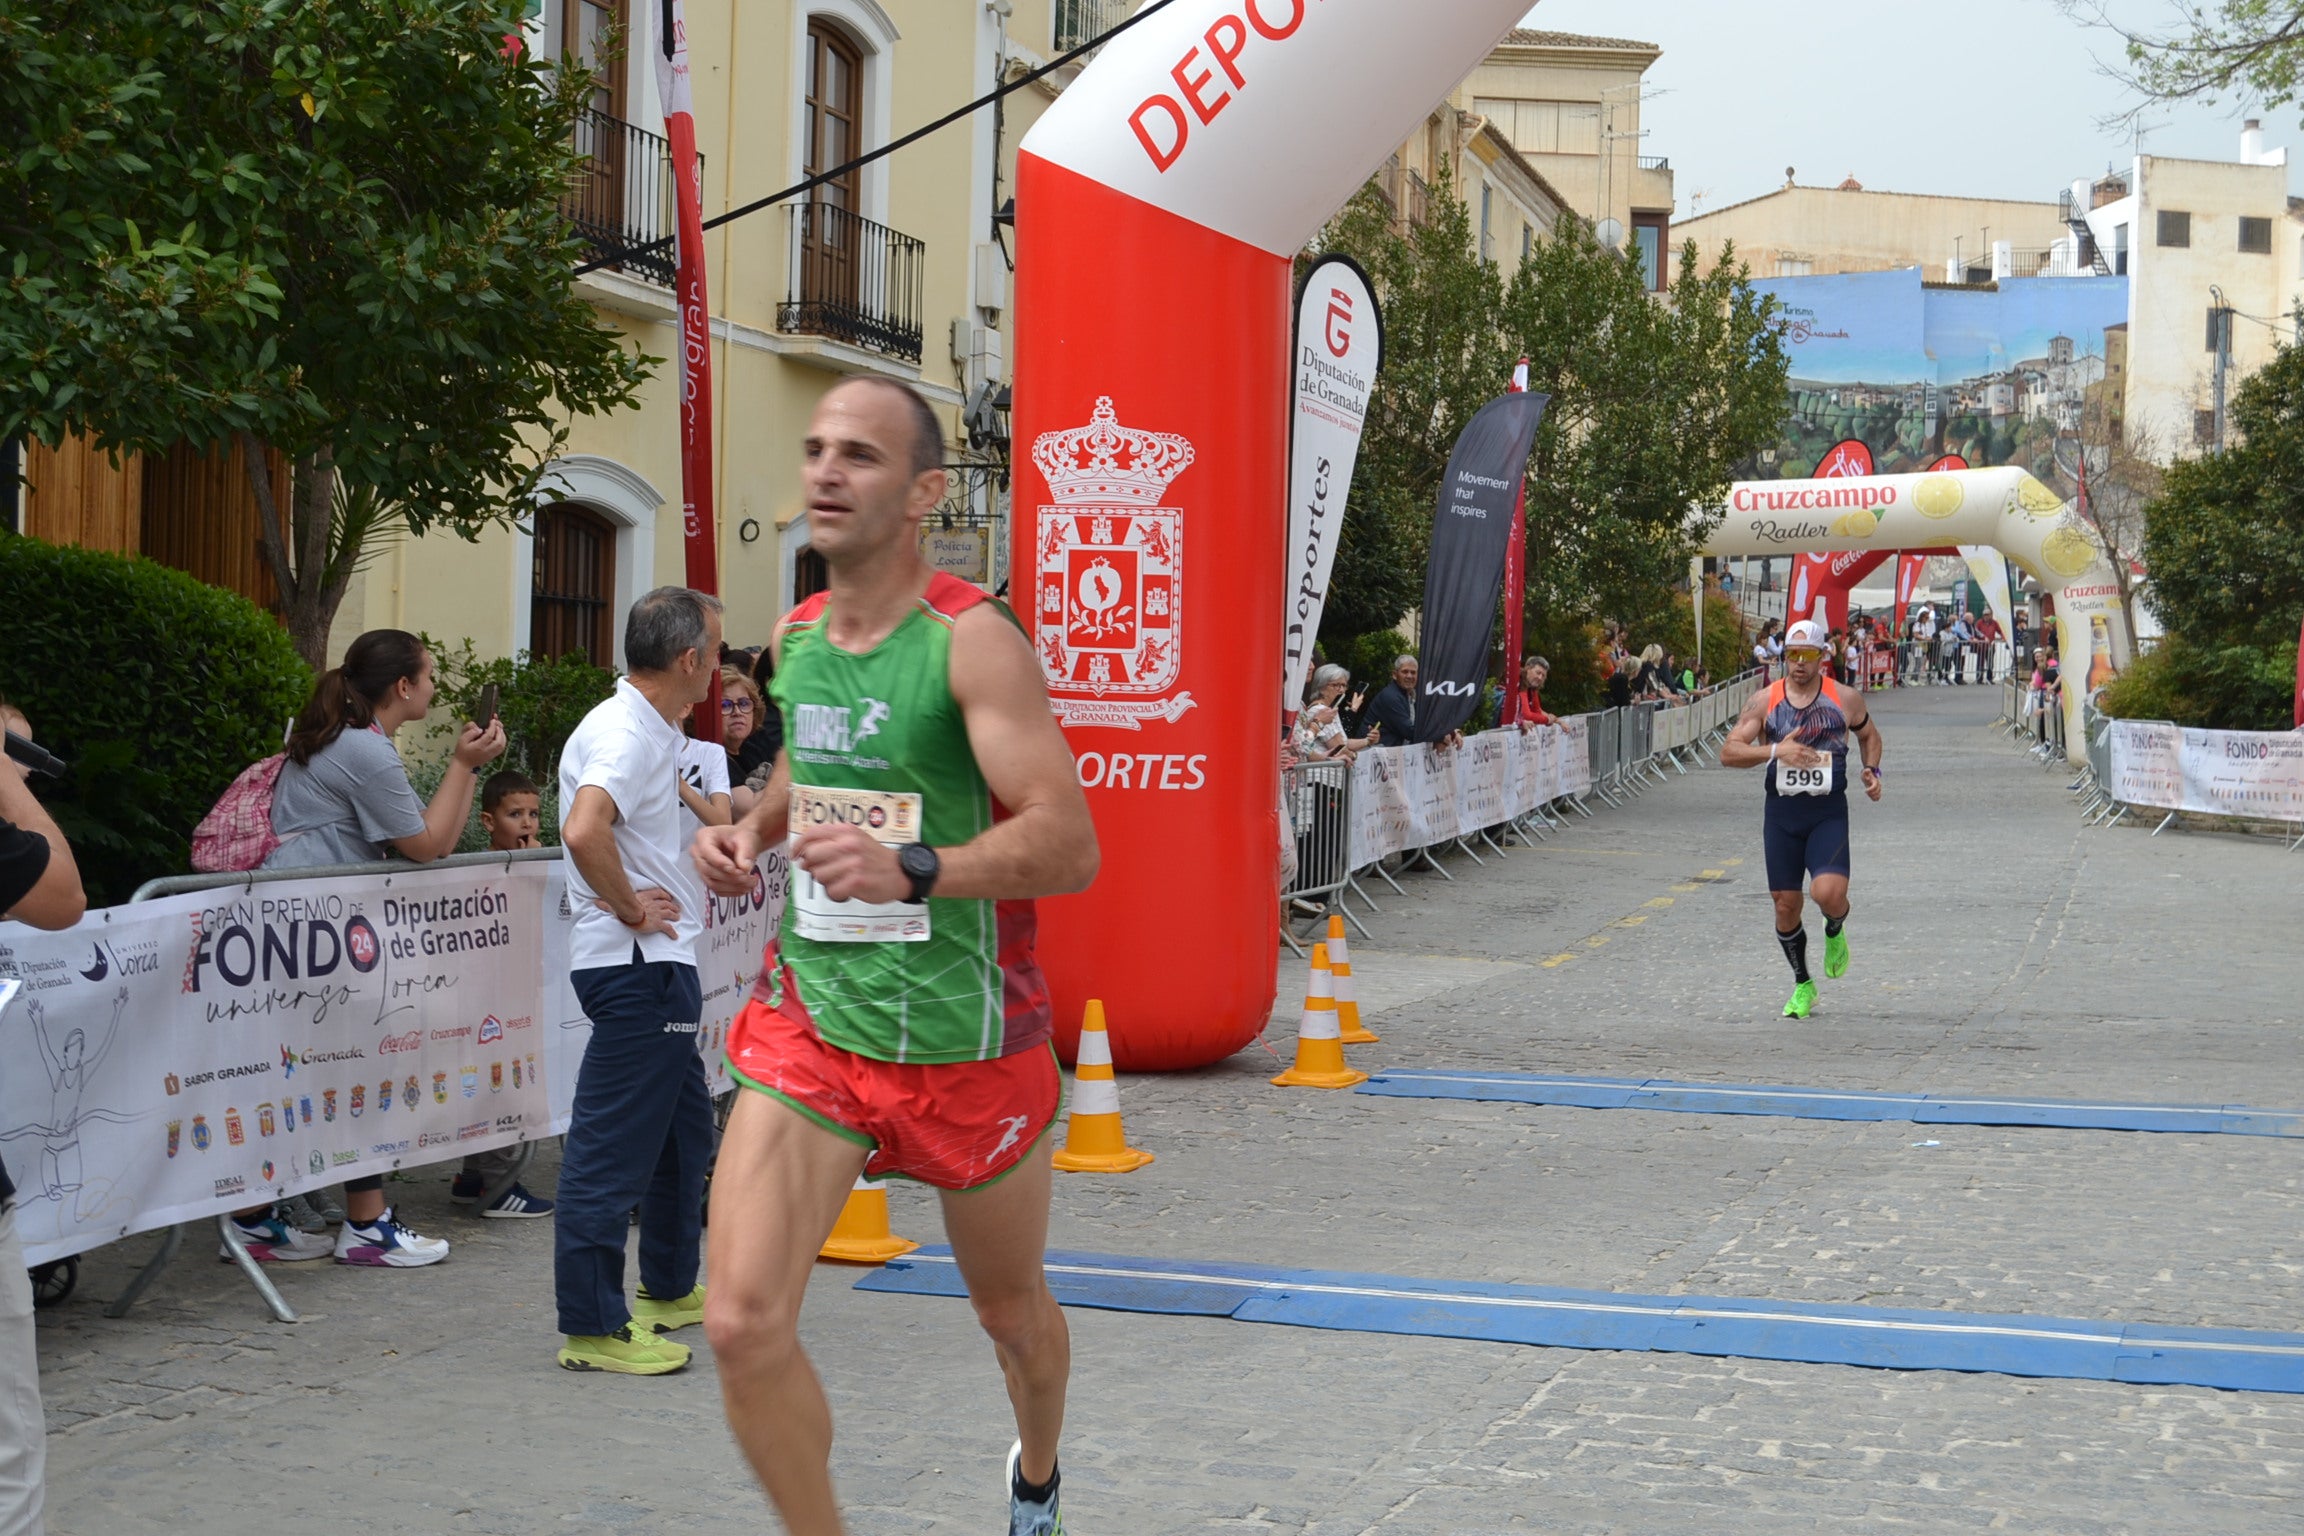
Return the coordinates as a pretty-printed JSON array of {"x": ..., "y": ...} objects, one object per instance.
[{"x": 487, "y": 710}]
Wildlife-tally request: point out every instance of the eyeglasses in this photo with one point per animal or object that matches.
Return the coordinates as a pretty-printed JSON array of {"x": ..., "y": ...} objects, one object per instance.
[{"x": 735, "y": 706}]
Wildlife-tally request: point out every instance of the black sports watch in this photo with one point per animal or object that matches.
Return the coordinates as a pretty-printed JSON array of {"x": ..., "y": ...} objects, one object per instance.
[{"x": 921, "y": 867}]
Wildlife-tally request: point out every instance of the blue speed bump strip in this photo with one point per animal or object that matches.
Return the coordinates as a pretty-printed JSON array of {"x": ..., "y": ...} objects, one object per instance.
[
  {"x": 1829, "y": 1103},
  {"x": 1690, "y": 1325}
]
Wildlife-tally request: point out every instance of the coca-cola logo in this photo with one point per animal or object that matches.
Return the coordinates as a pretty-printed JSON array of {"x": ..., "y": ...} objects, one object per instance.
[{"x": 413, "y": 1040}]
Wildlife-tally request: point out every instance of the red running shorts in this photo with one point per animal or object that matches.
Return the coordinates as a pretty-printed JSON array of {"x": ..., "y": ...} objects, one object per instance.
[{"x": 953, "y": 1125}]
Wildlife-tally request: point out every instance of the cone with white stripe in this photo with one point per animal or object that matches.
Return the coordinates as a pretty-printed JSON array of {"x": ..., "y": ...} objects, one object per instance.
[
  {"x": 1350, "y": 1030},
  {"x": 1093, "y": 1139},
  {"x": 861, "y": 1235},
  {"x": 1319, "y": 1046}
]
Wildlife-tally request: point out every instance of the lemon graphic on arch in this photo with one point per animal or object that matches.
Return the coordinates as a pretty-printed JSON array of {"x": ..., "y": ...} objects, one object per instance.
[
  {"x": 1938, "y": 496},
  {"x": 2068, "y": 551},
  {"x": 2036, "y": 499},
  {"x": 1854, "y": 525}
]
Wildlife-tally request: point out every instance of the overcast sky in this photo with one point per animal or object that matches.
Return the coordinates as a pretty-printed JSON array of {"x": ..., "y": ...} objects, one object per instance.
[{"x": 1978, "y": 98}]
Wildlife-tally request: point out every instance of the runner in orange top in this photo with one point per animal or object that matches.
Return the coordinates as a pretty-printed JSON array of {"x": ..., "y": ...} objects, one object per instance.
[{"x": 1798, "y": 730}]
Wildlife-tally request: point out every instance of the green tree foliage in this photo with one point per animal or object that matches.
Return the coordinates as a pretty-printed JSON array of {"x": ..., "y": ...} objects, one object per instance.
[
  {"x": 2224, "y": 541},
  {"x": 2215, "y": 687},
  {"x": 1653, "y": 404},
  {"x": 328, "y": 226},
  {"x": 2251, "y": 50},
  {"x": 155, "y": 688}
]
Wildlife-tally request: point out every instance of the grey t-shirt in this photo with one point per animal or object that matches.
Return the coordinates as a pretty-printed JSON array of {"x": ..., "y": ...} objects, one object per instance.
[{"x": 344, "y": 806}]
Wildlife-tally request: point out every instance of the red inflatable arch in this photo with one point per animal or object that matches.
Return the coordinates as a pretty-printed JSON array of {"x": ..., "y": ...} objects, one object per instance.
[{"x": 1158, "y": 205}]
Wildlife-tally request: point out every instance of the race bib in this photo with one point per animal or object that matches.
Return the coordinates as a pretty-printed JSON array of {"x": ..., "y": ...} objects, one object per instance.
[
  {"x": 1804, "y": 781},
  {"x": 890, "y": 817}
]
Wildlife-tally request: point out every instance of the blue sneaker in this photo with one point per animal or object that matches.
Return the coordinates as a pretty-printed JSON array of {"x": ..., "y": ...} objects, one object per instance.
[
  {"x": 1027, "y": 1517},
  {"x": 385, "y": 1244},
  {"x": 516, "y": 1204}
]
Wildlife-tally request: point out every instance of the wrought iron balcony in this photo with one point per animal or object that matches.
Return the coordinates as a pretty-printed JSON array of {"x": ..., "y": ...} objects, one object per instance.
[
  {"x": 852, "y": 280},
  {"x": 1079, "y": 22},
  {"x": 622, "y": 200},
  {"x": 1655, "y": 162}
]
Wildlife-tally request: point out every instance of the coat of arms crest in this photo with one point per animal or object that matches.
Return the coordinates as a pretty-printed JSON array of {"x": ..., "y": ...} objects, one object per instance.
[{"x": 1110, "y": 606}]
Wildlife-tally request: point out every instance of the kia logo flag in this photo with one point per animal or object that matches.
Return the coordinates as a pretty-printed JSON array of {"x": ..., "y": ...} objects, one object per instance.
[
  {"x": 1339, "y": 346},
  {"x": 1470, "y": 533}
]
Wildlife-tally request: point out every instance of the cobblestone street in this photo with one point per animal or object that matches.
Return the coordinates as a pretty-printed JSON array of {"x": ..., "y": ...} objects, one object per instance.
[{"x": 1999, "y": 948}]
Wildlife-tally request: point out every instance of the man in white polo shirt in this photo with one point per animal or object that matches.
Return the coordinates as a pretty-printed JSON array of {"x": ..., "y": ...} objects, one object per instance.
[{"x": 640, "y": 1131}]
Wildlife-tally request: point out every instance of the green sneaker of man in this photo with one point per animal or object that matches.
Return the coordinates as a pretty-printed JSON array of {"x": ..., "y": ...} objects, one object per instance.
[
  {"x": 1835, "y": 955},
  {"x": 1803, "y": 1001},
  {"x": 629, "y": 1351},
  {"x": 664, "y": 1316}
]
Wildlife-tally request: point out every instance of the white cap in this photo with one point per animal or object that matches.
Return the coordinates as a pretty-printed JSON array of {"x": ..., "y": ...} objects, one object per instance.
[{"x": 1806, "y": 634}]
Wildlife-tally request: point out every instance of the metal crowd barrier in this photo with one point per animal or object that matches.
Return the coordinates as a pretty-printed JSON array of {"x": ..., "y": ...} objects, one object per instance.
[
  {"x": 177, "y": 885},
  {"x": 1627, "y": 750},
  {"x": 1318, "y": 797}
]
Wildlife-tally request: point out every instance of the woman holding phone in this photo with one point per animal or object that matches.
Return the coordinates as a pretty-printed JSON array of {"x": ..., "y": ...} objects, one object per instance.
[{"x": 343, "y": 797}]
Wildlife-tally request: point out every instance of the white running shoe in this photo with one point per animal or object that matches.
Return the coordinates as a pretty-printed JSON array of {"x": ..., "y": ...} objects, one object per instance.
[
  {"x": 270, "y": 1240},
  {"x": 385, "y": 1244},
  {"x": 1028, "y": 1517}
]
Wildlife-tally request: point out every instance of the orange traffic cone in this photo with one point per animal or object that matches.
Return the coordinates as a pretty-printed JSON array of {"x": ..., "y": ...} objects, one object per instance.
[
  {"x": 1093, "y": 1139},
  {"x": 1353, "y": 1032},
  {"x": 861, "y": 1235},
  {"x": 1319, "y": 1051}
]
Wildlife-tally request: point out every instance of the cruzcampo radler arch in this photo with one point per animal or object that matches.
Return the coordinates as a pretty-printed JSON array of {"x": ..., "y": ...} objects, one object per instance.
[{"x": 2004, "y": 508}]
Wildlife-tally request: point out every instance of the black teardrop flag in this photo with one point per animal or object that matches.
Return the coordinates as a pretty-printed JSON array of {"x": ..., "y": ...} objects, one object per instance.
[{"x": 1470, "y": 533}]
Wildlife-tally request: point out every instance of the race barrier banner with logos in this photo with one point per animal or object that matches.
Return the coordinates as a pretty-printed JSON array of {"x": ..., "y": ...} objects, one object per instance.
[
  {"x": 2256, "y": 774},
  {"x": 1417, "y": 796},
  {"x": 179, "y": 1058}
]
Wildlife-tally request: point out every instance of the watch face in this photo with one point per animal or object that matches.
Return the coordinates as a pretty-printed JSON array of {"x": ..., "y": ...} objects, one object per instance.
[{"x": 918, "y": 860}]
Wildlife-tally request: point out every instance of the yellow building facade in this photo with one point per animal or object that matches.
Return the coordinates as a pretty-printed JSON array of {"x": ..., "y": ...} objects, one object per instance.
[{"x": 899, "y": 271}]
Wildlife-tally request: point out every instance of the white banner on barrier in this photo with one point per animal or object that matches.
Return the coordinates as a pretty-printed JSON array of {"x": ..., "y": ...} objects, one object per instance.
[
  {"x": 203, "y": 1053},
  {"x": 1416, "y": 796},
  {"x": 206, "y": 1052},
  {"x": 2215, "y": 773}
]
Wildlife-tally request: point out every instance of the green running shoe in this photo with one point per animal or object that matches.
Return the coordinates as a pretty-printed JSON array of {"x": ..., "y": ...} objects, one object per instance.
[
  {"x": 1836, "y": 955},
  {"x": 1803, "y": 1001},
  {"x": 629, "y": 1351},
  {"x": 664, "y": 1316}
]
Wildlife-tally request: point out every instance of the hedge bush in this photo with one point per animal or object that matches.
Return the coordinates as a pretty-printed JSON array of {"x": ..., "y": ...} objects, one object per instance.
[
  {"x": 2222, "y": 687},
  {"x": 156, "y": 688}
]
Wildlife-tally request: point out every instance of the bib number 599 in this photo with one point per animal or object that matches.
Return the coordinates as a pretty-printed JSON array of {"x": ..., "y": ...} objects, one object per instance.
[{"x": 1803, "y": 781}]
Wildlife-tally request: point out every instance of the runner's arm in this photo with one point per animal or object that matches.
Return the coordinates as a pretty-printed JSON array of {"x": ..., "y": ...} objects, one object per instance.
[
  {"x": 1744, "y": 748},
  {"x": 1045, "y": 846}
]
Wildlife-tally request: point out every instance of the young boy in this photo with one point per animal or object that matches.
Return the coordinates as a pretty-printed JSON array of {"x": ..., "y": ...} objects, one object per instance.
[{"x": 512, "y": 812}]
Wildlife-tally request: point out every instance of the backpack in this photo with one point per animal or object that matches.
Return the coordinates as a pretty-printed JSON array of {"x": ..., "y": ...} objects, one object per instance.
[{"x": 236, "y": 834}]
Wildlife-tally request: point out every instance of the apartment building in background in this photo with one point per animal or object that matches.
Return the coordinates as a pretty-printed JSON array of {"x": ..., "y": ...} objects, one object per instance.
[
  {"x": 1811, "y": 231},
  {"x": 1569, "y": 108},
  {"x": 2192, "y": 236}
]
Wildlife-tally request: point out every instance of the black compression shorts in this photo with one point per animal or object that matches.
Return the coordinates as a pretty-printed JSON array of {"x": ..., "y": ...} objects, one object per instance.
[{"x": 1804, "y": 835}]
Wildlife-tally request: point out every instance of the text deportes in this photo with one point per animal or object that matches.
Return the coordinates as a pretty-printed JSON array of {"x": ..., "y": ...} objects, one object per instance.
[
  {"x": 1141, "y": 770},
  {"x": 1226, "y": 39}
]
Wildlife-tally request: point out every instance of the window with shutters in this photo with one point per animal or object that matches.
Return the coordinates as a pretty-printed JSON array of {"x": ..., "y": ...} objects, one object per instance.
[
  {"x": 573, "y": 589},
  {"x": 2175, "y": 228},
  {"x": 2255, "y": 236}
]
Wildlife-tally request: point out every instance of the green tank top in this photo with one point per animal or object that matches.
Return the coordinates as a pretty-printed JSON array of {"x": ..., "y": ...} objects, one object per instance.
[{"x": 885, "y": 722}]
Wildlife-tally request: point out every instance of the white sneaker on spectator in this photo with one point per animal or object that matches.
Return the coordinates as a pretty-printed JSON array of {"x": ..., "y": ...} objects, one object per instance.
[
  {"x": 385, "y": 1244},
  {"x": 270, "y": 1240}
]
